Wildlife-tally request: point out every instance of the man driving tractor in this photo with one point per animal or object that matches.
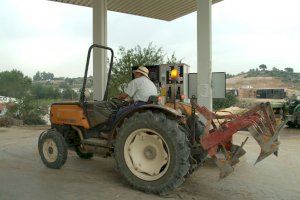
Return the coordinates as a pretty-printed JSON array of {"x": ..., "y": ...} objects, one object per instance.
[{"x": 139, "y": 89}]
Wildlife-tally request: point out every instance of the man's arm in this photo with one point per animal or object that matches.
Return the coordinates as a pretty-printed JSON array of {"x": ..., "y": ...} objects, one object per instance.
[
  {"x": 129, "y": 91},
  {"x": 122, "y": 96}
]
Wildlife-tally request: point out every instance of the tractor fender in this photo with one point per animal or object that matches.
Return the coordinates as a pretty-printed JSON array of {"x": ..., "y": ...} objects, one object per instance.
[{"x": 166, "y": 110}]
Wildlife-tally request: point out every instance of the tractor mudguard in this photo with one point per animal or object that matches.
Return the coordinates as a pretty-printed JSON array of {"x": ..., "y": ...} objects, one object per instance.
[
  {"x": 166, "y": 110},
  {"x": 68, "y": 113}
]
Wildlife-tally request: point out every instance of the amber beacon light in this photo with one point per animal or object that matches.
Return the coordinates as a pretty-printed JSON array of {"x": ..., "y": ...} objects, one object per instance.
[{"x": 174, "y": 74}]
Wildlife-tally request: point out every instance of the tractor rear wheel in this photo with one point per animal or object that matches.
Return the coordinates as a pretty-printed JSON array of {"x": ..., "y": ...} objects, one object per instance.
[
  {"x": 53, "y": 149},
  {"x": 152, "y": 152}
]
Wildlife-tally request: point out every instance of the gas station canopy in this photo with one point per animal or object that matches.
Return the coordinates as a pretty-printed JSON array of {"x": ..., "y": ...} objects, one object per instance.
[{"x": 158, "y": 9}]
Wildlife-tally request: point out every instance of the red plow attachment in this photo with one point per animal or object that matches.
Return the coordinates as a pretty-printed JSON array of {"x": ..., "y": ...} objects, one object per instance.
[{"x": 260, "y": 122}]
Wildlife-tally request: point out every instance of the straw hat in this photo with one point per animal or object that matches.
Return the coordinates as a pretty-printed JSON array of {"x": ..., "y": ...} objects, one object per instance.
[{"x": 143, "y": 70}]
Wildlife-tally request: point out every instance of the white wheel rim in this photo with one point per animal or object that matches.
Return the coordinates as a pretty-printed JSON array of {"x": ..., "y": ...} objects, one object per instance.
[
  {"x": 146, "y": 154},
  {"x": 50, "y": 150}
]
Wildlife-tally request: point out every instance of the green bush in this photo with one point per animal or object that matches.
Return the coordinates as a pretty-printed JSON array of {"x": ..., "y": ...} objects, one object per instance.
[
  {"x": 28, "y": 110},
  {"x": 41, "y": 91},
  {"x": 246, "y": 103},
  {"x": 68, "y": 93},
  {"x": 5, "y": 121},
  {"x": 228, "y": 101}
]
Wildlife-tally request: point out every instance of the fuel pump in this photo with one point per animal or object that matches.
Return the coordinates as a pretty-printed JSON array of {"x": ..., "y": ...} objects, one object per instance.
[{"x": 169, "y": 89}]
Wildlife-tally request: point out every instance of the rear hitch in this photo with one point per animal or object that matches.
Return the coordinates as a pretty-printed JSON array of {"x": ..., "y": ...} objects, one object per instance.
[{"x": 260, "y": 121}]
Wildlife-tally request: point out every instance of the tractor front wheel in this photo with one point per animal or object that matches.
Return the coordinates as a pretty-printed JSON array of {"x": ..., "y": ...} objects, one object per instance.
[
  {"x": 152, "y": 152},
  {"x": 53, "y": 149}
]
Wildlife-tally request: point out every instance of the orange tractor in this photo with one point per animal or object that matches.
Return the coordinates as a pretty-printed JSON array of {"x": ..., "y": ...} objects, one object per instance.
[{"x": 155, "y": 146}]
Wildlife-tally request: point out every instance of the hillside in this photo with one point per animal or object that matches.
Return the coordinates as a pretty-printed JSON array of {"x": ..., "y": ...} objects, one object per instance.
[
  {"x": 263, "y": 78},
  {"x": 247, "y": 85},
  {"x": 242, "y": 81}
]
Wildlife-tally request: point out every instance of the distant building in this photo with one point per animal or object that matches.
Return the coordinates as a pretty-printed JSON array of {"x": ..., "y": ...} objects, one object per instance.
[{"x": 271, "y": 93}]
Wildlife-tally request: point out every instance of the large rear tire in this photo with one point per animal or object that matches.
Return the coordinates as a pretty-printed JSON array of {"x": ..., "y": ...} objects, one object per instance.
[
  {"x": 53, "y": 149},
  {"x": 152, "y": 152}
]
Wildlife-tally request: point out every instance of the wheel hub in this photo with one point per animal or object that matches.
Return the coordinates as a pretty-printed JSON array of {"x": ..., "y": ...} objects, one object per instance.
[
  {"x": 150, "y": 152},
  {"x": 146, "y": 154},
  {"x": 50, "y": 150}
]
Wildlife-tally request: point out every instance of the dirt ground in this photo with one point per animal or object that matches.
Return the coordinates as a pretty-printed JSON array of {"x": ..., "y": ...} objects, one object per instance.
[{"x": 23, "y": 175}]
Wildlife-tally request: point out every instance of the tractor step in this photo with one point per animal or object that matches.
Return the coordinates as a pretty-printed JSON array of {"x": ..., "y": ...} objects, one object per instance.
[{"x": 95, "y": 142}]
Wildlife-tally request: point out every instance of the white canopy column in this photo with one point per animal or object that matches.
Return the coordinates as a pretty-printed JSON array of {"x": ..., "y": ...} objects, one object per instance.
[
  {"x": 99, "y": 56},
  {"x": 204, "y": 74}
]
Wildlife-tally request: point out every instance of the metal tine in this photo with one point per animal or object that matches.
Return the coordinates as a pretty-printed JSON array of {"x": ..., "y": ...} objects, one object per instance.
[
  {"x": 263, "y": 145},
  {"x": 235, "y": 158},
  {"x": 259, "y": 133},
  {"x": 266, "y": 131},
  {"x": 262, "y": 120},
  {"x": 263, "y": 131},
  {"x": 259, "y": 128},
  {"x": 278, "y": 130},
  {"x": 224, "y": 166},
  {"x": 254, "y": 131},
  {"x": 263, "y": 154},
  {"x": 255, "y": 125},
  {"x": 271, "y": 146}
]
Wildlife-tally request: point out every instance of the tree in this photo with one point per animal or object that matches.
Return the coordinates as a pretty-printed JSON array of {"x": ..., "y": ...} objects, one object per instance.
[
  {"x": 173, "y": 59},
  {"x": 274, "y": 69},
  {"x": 37, "y": 76},
  {"x": 47, "y": 76},
  {"x": 68, "y": 93},
  {"x": 229, "y": 100},
  {"x": 43, "y": 76},
  {"x": 69, "y": 81},
  {"x": 263, "y": 67},
  {"x": 14, "y": 83},
  {"x": 41, "y": 91},
  {"x": 229, "y": 75},
  {"x": 150, "y": 55},
  {"x": 289, "y": 70},
  {"x": 63, "y": 85}
]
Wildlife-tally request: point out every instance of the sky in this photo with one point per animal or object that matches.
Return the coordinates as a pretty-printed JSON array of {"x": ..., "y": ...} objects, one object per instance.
[{"x": 41, "y": 35}]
